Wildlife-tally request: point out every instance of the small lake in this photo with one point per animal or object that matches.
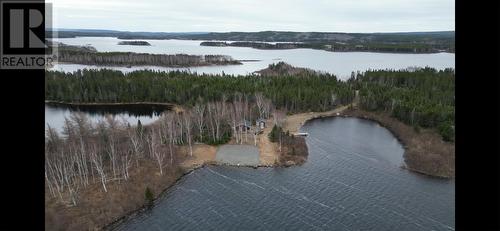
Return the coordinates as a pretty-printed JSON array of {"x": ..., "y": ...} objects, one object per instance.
[
  {"x": 351, "y": 181},
  {"x": 338, "y": 63},
  {"x": 55, "y": 114}
]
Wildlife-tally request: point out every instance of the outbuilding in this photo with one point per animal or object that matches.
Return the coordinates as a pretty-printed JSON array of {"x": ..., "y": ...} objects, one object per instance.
[{"x": 260, "y": 123}]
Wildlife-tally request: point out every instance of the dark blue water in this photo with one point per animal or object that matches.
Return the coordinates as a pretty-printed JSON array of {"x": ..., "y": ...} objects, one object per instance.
[{"x": 351, "y": 181}]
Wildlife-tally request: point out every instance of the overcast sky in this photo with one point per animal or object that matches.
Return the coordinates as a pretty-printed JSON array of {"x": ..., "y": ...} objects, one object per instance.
[{"x": 256, "y": 15}]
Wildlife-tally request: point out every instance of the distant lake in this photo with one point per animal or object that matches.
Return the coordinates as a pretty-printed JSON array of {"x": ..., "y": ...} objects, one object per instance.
[{"x": 338, "y": 63}]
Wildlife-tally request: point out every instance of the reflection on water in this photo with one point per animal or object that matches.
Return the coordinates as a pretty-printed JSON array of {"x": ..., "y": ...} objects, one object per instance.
[
  {"x": 55, "y": 114},
  {"x": 351, "y": 181}
]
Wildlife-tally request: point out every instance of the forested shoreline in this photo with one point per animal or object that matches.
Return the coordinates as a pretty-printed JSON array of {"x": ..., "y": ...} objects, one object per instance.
[
  {"x": 313, "y": 92},
  {"x": 88, "y": 55},
  {"x": 340, "y": 46},
  {"x": 420, "y": 98},
  {"x": 404, "y": 42}
]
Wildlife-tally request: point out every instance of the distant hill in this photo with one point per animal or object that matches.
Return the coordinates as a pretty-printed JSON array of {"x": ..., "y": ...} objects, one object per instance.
[
  {"x": 265, "y": 36},
  {"x": 71, "y": 33}
]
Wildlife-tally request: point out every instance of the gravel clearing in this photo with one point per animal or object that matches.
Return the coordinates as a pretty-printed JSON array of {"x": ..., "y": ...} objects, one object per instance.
[{"x": 233, "y": 154}]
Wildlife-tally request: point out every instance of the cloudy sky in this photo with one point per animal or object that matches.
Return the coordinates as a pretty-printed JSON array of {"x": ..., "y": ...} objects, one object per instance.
[{"x": 256, "y": 15}]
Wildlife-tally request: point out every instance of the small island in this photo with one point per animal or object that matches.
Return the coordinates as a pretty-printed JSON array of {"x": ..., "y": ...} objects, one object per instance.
[{"x": 134, "y": 43}]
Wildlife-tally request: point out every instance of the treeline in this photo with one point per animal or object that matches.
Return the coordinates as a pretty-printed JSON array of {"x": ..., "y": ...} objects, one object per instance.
[
  {"x": 142, "y": 59},
  {"x": 390, "y": 47},
  {"x": 345, "y": 46},
  {"x": 446, "y": 38},
  {"x": 295, "y": 93},
  {"x": 421, "y": 98},
  {"x": 107, "y": 151},
  {"x": 257, "y": 45}
]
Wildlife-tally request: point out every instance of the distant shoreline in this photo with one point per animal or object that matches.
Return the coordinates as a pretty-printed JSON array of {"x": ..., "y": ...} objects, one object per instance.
[
  {"x": 108, "y": 104},
  {"x": 402, "y": 42}
]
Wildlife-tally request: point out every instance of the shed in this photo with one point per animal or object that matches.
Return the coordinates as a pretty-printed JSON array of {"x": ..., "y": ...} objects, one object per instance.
[{"x": 260, "y": 123}]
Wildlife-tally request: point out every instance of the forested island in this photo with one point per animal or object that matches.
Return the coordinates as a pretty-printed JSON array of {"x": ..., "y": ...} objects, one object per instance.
[
  {"x": 401, "y": 42},
  {"x": 88, "y": 55},
  {"x": 101, "y": 161},
  {"x": 282, "y": 68},
  {"x": 134, "y": 43}
]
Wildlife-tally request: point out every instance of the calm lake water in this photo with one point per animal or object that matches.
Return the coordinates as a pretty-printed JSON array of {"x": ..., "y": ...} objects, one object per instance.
[
  {"x": 338, "y": 63},
  {"x": 55, "y": 115},
  {"x": 351, "y": 181}
]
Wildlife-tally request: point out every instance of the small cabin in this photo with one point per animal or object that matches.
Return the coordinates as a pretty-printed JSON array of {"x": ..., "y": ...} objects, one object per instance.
[
  {"x": 260, "y": 123},
  {"x": 244, "y": 126}
]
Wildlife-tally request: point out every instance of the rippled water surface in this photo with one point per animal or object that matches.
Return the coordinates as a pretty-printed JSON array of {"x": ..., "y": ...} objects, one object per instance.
[{"x": 351, "y": 181}]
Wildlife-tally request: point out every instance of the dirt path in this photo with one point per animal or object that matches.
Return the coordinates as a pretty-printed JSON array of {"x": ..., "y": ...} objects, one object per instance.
[{"x": 268, "y": 150}]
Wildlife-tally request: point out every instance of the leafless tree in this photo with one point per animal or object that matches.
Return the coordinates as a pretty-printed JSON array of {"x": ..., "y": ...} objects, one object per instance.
[
  {"x": 188, "y": 126},
  {"x": 199, "y": 115},
  {"x": 264, "y": 105},
  {"x": 154, "y": 143},
  {"x": 99, "y": 165}
]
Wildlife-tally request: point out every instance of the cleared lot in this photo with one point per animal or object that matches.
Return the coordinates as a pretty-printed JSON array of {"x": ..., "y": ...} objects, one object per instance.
[{"x": 238, "y": 154}]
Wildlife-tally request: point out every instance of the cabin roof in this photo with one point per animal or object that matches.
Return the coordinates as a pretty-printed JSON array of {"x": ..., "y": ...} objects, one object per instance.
[{"x": 245, "y": 123}]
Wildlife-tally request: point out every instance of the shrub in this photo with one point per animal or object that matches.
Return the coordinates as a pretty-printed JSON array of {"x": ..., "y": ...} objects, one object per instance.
[
  {"x": 149, "y": 197},
  {"x": 447, "y": 131}
]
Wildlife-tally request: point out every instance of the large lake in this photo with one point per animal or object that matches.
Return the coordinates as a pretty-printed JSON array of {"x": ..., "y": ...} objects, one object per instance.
[
  {"x": 338, "y": 63},
  {"x": 351, "y": 181}
]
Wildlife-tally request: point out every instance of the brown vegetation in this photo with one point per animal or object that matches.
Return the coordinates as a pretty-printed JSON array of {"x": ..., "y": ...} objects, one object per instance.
[
  {"x": 97, "y": 208},
  {"x": 293, "y": 152},
  {"x": 97, "y": 173}
]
